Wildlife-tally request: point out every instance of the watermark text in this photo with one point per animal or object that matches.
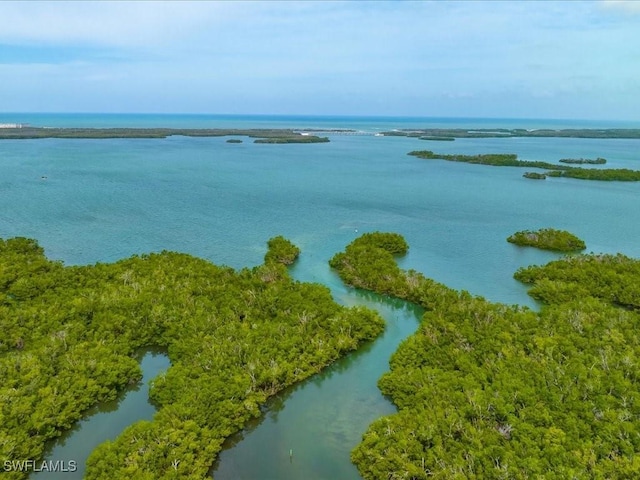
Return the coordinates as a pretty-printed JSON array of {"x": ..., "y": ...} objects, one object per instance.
[{"x": 61, "y": 466}]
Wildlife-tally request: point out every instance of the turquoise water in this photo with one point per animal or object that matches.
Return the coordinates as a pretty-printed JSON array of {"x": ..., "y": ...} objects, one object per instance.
[
  {"x": 323, "y": 418},
  {"x": 105, "y": 421},
  {"x": 101, "y": 120},
  {"x": 103, "y": 200}
]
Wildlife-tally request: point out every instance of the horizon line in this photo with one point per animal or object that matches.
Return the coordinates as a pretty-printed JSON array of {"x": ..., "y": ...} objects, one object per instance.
[{"x": 321, "y": 115}]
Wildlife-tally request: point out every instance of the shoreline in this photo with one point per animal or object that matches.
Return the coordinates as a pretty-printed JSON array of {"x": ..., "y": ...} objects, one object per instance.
[
  {"x": 453, "y": 133},
  {"x": 15, "y": 131},
  {"x": 262, "y": 135}
]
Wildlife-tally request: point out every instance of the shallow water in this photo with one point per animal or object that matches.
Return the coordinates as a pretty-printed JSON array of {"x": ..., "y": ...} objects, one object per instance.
[
  {"x": 320, "y": 420},
  {"x": 105, "y": 421},
  {"x": 103, "y": 200}
]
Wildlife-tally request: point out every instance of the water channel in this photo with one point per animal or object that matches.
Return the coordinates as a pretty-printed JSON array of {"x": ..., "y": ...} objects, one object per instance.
[
  {"x": 107, "y": 200},
  {"x": 105, "y": 421},
  {"x": 309, "y": 430},
  {"x": 318, "y": 421}
]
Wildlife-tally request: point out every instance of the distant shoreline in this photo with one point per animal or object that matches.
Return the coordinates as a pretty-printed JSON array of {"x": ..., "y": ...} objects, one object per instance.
[
  {"x": 306, "y": 135},
  {"x": 453, "y": 133},
  {"x": 261, "y": 135}
]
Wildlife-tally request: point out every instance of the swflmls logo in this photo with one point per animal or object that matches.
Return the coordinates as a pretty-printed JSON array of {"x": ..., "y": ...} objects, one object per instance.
[{"x": 61, "y": 466}]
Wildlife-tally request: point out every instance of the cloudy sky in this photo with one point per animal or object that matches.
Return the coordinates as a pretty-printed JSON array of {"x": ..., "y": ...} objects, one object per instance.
[{"x": 521, "y": 59}]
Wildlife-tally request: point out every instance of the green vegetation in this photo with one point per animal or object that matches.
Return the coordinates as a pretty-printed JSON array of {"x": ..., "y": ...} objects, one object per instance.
[
  {"x": 534, "y": 175},
  {"x": 493, "y": 159},
  {"x": 234, "y": 140},
  {"x": 548, "y": 239},
  {"x": 610, "y": 278},
  {"x": 511, "y": 160},
  {"x": 368, "y": 262},
  {"x": 580, "y": 161},
  {"x": 70, "y": 335},
  {"x": 281, "y": 250},
  {"x": 517, "y": 132},
  {"x": 601, "y": 174},
  {"x": 438, "y": 139},
  {"x": 293, "y": 139},
  {"x": 486, "y": 390},
  {"x": 264, "y": 135},
  {"x": 328, "y": 130}
]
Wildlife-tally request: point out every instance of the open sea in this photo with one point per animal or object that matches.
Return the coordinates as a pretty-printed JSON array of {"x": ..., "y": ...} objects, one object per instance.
[{"x": 87, "y": 201}]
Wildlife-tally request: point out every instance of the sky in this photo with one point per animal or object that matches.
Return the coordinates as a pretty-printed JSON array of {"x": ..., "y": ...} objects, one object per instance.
[{"x": 515, "y": 59}]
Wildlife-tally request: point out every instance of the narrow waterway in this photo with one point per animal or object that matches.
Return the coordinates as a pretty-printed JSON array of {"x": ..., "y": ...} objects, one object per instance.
[
  {"x": 104, "y": 422},
  {"x": 106, "y": 200},
  {"x": 309, "y": 430}
]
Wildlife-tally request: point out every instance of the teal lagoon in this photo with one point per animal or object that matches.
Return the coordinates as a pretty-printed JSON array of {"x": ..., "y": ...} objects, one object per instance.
[
  {"x": 105, "y": 421},
  {"x": 103, "y": 200}
]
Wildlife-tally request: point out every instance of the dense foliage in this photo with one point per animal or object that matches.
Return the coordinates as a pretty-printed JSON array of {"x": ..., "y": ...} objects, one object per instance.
[
  {"x": 438, "y": 139},
  {"x": 70, "y": 335},
  {"x": 516, "y": 132},
  {"x": 368, "y": 261},
  {"x": 548, "y": 239},
  {"x": 493, "y": 159},
  {"x": 610, "y": 278},
  {"x": 555, "y": 170},
  {"x": 490, "y": 391},
  {"x": 293, "y": 139},
  {"x": 264, "y": 135},
  {"x": 588, "y": 161},
  {"x": 601, "y": 174},
  {"x": 534, "y": 175},
  {"x": 281, "y": 250}
]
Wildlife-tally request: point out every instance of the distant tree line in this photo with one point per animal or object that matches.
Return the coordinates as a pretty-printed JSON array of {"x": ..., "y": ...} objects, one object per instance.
[
  {"x": 263, "y": 135},
  {"x": 555, "y": 170},
  {"x": 580, "y": 161},
  {"x": 454, "y": 133}
]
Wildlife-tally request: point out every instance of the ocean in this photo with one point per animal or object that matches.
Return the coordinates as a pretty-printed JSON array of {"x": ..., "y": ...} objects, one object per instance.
[
  {"x": 90, "y": 201},
  {"x": 150, "y": 120}
]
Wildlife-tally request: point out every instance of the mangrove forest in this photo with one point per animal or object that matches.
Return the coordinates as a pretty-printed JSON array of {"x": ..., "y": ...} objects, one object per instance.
[
  {"x": 271, "y": 135},
  {"x": 555, "y": 170},
  {"x": 492, "y": 391},
  {"x": 581, "y": 161},
  {"x": 234, "y": 338},
  {"x": 548, "y": 239},
  {"x": 454, "y": 133}
]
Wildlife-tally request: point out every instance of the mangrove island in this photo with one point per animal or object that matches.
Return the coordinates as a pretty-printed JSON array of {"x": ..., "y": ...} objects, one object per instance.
[
  {"x": 548, "y": 239},
  {"x": 233, "y": 337},
  {"x": 555, "y": 170},
  {"x": 261, "y": 135},
  {"x": 515, "y": 132},
  {"x": 487, "y": 390}
]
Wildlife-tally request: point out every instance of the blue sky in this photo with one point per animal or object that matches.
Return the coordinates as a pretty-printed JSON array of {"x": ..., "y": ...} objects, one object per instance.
[{"x": 521, "y": 59}]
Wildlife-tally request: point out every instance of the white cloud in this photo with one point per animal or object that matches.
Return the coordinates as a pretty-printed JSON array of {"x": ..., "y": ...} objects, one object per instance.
[
  {"x": 177, "y": 55},
  {"x": 626, "y": 6},
  {"x": 107, "y": 23}
]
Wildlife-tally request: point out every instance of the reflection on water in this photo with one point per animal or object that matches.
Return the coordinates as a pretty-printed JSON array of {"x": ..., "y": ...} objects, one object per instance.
[
  {"x": 105, "y": 421},
  {"x": 319, "y": 421}
]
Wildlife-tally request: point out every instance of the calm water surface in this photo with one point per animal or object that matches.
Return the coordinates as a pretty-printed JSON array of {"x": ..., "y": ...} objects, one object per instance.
[
  {"x": 323, "y": 418},
  {"x": 105, "y": 421},
  {"x": 103, "y": 200}
]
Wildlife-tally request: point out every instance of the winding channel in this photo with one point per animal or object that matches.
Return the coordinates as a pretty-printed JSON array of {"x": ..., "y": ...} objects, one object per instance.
[
  {"x": 306, "y": 431},
  {"x": 105, "y": 421},
  {"x": 309, "y": 430}
]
